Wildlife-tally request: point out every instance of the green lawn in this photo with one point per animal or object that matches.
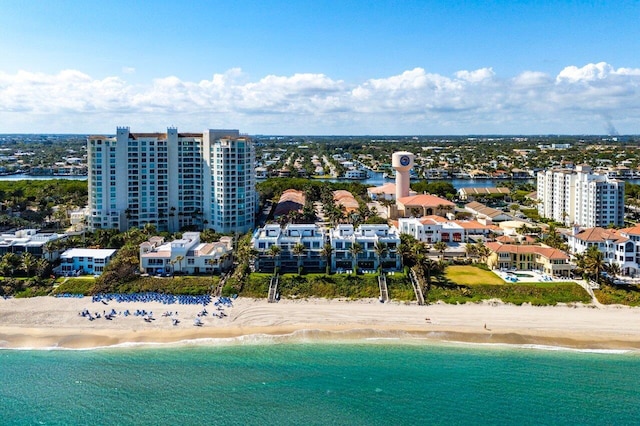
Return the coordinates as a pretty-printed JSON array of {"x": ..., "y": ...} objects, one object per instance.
[
  {"x": 471, "y": 275},
  {"x": 191, "y": 285},
  {"x": 464, "y": 283},
  {"x": 79, "y": 285},
  {"x": 539, "y": 294},
  {"x": 328, "y": 286}
]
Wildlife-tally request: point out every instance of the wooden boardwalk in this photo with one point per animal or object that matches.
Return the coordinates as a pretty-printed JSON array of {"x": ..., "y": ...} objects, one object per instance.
[
  {"x": 416, "y": 286},
  {"x": 384, "y": 291},
  {"x": 273, "y": 289}
]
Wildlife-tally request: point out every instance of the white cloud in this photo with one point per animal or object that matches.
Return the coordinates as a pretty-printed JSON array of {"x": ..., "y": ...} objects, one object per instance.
[
  {"x": 414, "y": 101},
  {"x": 476, "y": 76},
  {"x": 128, "y": 70}
]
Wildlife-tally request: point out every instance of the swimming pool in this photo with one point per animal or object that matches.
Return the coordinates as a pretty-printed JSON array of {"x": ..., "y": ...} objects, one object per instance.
[{"x": 523, "y": 275}]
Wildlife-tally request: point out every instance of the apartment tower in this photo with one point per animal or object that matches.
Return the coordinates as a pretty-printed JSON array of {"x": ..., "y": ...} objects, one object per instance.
[
  {"x": 172, "y": 180},
  {"x": 580, "y": 197}
]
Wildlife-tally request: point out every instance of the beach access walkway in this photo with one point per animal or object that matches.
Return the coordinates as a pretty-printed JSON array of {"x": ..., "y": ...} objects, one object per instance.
[
  {"x": 273, "y": 289},
  {"x": 384, "y": 291},
  {"x": 416, "y": 287},
  {"x": 589, "y": 286}
]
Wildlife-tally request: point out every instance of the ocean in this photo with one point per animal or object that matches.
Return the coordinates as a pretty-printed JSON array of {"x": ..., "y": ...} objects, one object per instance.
[{"x": 379, "y": 382}]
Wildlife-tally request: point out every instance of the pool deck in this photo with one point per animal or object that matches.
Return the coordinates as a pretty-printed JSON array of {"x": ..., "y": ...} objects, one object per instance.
[{"x": 536, "y": 277}]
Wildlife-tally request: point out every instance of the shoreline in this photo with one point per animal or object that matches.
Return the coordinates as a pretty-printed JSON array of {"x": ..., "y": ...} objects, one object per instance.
[{"x": 55, "y": 323}]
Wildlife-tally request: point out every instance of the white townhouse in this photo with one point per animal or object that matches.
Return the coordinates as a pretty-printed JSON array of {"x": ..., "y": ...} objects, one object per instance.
[
  {"x": 619, "y": 246},
  {"x": 186, "y": 255},
  {"x": 311, "y": 236},
  {"x": 432, "y": 229},
  {"x": 172, "y": 180},
  {"x": 83, "y": 261},
  {"x": 29, "y": 241},
  {"x": 345, "y": 235}
]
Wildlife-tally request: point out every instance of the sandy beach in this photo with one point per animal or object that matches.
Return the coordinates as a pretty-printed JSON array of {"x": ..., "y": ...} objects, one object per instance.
[{"x": 47, "y": 322}]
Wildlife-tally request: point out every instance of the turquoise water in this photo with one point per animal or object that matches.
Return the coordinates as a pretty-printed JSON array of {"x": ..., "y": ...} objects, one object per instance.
[{"x": 318, "y": 383}]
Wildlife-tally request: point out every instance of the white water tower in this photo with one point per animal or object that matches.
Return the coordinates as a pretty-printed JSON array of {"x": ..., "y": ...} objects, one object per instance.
[{"x": 403, "y": 162}]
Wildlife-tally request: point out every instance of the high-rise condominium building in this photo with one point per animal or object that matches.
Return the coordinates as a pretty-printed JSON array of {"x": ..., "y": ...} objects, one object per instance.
[
  {"x": 580, "y": 197},
  {"x": 172, "y": 180}
]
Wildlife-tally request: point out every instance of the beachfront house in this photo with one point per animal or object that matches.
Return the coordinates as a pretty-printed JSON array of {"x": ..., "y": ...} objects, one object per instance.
[
  {"x": 431, "y": 229},
  {"x": 545, "y": 259},
  {"x": 618, "y": 246},
  {"x": 187, "y": 255},
  {"x": 83, "y": 261},
  {"x": 344, "y": 236},
  {"x": 29, "y": 241},
  {"x": 311, "y": 236}
]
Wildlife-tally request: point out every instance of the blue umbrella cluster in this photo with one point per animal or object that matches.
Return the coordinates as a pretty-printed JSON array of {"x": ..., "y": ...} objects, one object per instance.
[{"x": 167, "y": 299}]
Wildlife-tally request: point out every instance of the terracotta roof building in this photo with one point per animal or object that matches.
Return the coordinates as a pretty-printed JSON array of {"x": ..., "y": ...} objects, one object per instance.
[
  {"x": 346, "y": 200},
  {"x": 290, "y": 200},
  {"x": 549, "y": 260},
  {"x": 424, "y": 205}
]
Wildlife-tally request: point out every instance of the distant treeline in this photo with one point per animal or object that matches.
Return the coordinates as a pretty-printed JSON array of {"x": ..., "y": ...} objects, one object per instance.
[{"x": 36, "y": 202}]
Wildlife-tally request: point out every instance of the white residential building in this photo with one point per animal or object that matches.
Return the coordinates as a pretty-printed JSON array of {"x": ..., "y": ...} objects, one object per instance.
[
  {"x": 431, "y": 229},
  {"x": 82, "y": 261},
  {"x": 186, "y": 255},
  {"x": 172, "y": 180},
  {"x": 619, "y": 246},
  {"x": 580, "y": 197},
  {"x": 29, "y": 241},
  {"x": 344, "y": 236},
  {"x": 311, "y": 236}
]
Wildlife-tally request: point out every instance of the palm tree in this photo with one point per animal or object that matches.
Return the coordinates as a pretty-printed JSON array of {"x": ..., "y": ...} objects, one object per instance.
[
  {"x": 441, "y": 247},
  {"x": 428, "y": 267},
  {"x": 523, "y": 229},
  {"x": 407, "y": 242},
  {"x": 581, "y": 264},
  {"x": 274, "y": 252},
  {"x": 9, "y": 263},
  {"x": 483, "y": 251},
  {"x": 179, "y": 260},
  {"x": 42, "y": 265},
  {"x": 355, "y": 250},
  {"x": 382, "y": 250},
  {"x": 212, "y": 262},
  {"x": 594, "y": 263},
  {"x": 612, "y": 270},
  {"x": 326, "y": 252},
  {"x": 299, "y": 250},
  {"x": 471, "y": 250},
  {"x": 419, "y": 252},
  {"x": 28, "y": 263}
]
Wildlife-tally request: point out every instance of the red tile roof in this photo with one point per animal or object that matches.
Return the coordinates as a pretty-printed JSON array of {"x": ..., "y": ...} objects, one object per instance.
[
  {"x": 598, "y": 234},
  {"x": 425, "y": 200},
  {"x": 548, "y": 252}
]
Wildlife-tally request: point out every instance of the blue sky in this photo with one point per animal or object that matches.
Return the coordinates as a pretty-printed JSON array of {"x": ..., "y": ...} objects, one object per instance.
[{"x": 321, "y": 67}]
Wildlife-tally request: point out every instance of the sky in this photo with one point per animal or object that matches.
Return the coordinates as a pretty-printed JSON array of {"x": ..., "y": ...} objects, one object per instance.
[{"x": 346, "y": 67}]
